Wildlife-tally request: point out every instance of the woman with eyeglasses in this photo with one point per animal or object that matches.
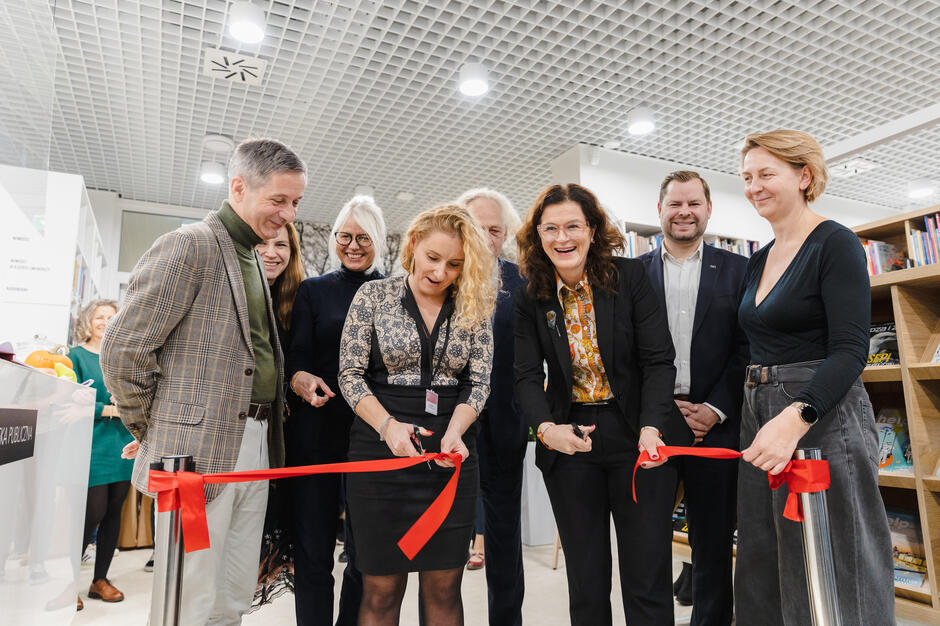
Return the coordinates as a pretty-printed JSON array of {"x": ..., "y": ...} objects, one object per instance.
[
  {"x": 318, "y": 427},
  {"x": 596, "y": 321}
]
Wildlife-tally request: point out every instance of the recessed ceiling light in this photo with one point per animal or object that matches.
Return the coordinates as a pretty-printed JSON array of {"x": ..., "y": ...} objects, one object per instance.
[
  {"x": 364, "y": 190},
  {"x": 611, "y": 145},
  {"x": 246, "y": 22},
  {"x": 473, "y": 80},
  {"x": 218, "y": 143},
  {"x": 640, "y": 121},
  {"x": 920, "y": 189},
  {"x": 405, "y": 196},
  {"x": 212, "y": 173}
]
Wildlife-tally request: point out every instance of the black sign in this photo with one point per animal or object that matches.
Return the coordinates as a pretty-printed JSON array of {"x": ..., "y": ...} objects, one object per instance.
[{"x": 17, "y": 434}]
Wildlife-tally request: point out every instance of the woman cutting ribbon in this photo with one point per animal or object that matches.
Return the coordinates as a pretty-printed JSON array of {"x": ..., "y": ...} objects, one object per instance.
[
  {"x": 409, "y": 399},
  {"x": 595, "y": 319},
  {"x": 806, "y": 312}
]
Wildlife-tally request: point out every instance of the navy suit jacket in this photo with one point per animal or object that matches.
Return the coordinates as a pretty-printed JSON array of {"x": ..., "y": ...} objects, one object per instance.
[
  {"x": 505, "y": 430},
  {"x": 720, "y": 351}
]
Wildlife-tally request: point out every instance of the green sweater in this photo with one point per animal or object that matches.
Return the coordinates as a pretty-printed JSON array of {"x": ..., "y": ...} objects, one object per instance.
[
  {"x": 264, "y": 383},
  {"x": 108, "y": 436}
]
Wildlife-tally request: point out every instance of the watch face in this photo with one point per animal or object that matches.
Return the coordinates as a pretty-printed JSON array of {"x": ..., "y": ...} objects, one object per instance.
[{"x": 809, "y": 414}]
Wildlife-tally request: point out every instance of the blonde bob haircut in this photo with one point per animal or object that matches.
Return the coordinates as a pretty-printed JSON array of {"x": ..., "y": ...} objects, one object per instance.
[
  {"x": 369, "y": 216},
  {"x": 797, "y": 148},
  {"x": 475, "y": 289},
  {"x": 82, "y": 332}
]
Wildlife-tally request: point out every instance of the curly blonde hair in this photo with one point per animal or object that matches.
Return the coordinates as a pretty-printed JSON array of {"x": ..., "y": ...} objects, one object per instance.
[
  {"x": 797, "y": 148},
  {"x": 82, "y": 332},
  {"x": 475, "y": 289}
]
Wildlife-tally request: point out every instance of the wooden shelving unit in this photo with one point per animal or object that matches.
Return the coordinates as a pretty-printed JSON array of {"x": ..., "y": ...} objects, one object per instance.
[{"x": 911, "y": 298}]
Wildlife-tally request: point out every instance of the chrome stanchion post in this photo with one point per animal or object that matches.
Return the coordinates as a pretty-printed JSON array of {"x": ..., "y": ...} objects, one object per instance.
[
  {"x": 168, "y": 554},
  {"x": 817, "y": 551}
]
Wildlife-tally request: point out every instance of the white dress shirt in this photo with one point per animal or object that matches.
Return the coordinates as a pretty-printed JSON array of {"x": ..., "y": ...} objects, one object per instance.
[{"x": 680, "y": 283}]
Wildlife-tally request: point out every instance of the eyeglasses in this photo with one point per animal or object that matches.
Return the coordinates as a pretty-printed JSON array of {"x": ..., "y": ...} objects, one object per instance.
[
  {"x": 344, "y": 239},
  {"x": 551, "y": 232}
]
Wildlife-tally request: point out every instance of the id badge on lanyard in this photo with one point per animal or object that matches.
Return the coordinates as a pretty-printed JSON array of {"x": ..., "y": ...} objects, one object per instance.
[
  {"x": 430, "y": 396},
  {"x": 430, "y": 401}
]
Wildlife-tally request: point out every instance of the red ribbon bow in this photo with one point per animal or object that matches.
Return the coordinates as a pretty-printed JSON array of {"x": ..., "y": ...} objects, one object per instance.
[
  {"x": 184, "y": 491},
  {"x": 800, "y": 475}
]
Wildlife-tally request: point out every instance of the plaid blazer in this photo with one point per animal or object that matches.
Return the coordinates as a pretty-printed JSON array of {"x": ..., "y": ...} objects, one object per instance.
[{"x": 178, "y": 360}]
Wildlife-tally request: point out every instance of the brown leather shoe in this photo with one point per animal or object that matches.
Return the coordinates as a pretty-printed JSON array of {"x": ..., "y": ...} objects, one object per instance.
[
  {"x": 103, "y": 590},
  {"x": 81, "y": 605}
]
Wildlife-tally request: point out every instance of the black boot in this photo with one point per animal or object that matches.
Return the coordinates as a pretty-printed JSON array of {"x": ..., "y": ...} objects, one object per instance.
[
  {"x": 685, "y": 573},
  {"x": 684, "y": 595}
]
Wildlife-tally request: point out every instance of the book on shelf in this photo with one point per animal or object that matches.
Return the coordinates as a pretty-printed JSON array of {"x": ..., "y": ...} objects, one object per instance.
[
  {"x": 635, "y": 244},
  {"x": 894, "y": 442},
  {"x": 882, "y": 257},
  {"x": 883, "y": 344},
  {"x": 907, "y": 546},
  {"x": 925, "y": 244},
  {"x": 936, "y": 354}
]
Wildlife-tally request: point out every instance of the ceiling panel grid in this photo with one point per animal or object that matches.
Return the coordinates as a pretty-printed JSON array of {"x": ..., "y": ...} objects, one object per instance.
[{"x": 366, "y": 91}]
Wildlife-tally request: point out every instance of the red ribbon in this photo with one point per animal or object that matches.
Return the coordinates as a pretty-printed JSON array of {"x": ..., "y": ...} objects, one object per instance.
[
  {"x": 184, "y": 491},
  {"x": 800, "y": 475}
]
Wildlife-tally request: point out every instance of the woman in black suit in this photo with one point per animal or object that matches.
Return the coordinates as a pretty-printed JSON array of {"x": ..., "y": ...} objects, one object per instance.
[{"x": 598, "y": 324}]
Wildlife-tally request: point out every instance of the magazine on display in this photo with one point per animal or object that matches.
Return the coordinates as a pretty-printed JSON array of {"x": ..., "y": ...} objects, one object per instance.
[
  {"x": 907, "y": 546},
  {"x": 883, "y": 345},
  {"x": 894, "y": 442}
]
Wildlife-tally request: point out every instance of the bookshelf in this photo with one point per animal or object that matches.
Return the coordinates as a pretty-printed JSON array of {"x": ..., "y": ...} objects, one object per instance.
[
  {"x": 641, "y": 238},
  {"x": 911, "y": 298}
]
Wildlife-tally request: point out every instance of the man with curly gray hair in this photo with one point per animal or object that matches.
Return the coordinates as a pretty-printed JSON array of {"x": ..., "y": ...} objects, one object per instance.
[{"x": 501, "y": 442}]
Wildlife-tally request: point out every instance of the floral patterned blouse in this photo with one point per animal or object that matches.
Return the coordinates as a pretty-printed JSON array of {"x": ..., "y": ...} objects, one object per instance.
[
  {"x": 589, "y": 380},
  {"x": 381, "y": 343}
]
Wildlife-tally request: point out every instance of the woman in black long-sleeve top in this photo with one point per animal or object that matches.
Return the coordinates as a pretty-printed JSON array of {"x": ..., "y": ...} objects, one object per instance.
[
  {"x": 318, "y": 427},
  {"x": 597, "y": 323},
  {"x": 806, "y": 312}
]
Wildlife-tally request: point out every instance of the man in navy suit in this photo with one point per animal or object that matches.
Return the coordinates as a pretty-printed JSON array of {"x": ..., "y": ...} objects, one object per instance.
[
  {"x": 700, "y": 287},
  {"x": 501, "y": 443}
]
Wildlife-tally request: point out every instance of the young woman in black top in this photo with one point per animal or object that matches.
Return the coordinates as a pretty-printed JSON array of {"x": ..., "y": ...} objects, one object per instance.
[
  {"x": 318, "y": 427},
  {"x": 806, "y": 312}
]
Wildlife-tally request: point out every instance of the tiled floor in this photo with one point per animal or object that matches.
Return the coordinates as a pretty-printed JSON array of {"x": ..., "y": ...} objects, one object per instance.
[{"x": 546, "y": 599}]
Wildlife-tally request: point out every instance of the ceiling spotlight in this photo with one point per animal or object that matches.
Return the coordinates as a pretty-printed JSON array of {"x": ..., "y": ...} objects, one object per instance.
[
  {"x": 364, "y": 190},
  {"x": 611, "y": 145},
  {"x": 473, "y": 80},
  {"x": 640, "y": 121},
  {"x": 246, "y": 22},
  {"x": 919, "y": 189},
  {"x": 405, "y": 196},
  {"x": 212, "y": 173},
  {"x": 218, "y": 143}
]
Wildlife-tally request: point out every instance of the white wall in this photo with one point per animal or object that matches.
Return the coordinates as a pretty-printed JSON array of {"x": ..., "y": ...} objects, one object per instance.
[
  {"x": 108, "y": 208},
  {"x": 628, "y": 186}
]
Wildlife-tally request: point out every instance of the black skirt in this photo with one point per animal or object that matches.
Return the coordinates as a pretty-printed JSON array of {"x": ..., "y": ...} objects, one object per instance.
[{"x": 382, "y": 506}]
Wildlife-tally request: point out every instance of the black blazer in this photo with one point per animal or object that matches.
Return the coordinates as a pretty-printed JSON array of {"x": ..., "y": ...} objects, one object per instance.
[
  {"x": 635, "y": 346},
  {"x": 720, "y": 349},
  {"x": 505, "y": 430}
]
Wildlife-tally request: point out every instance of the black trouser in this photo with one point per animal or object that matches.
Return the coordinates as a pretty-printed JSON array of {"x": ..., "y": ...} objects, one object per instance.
[
  {"x": 711, "y": 506},
  {"x": 316, "y": 504},
  {"x": 585, "y": 489},
  {"x": 501, "y": 490},
  {"x": 103, "y": 510}
]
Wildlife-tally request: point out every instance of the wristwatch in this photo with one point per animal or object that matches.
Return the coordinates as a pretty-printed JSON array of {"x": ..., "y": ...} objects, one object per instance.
[{"x": 808, "y": 412}]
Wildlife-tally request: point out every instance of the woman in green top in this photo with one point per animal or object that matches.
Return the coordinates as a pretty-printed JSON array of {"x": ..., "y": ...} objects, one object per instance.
[{"x": 109, "y": 478}]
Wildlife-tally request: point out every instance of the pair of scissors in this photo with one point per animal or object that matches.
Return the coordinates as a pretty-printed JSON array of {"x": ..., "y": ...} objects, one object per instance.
[{"x": 416, "y": 441}]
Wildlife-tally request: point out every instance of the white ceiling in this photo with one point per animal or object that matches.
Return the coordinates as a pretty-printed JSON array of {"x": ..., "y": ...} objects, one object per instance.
[{"x": 366, "y": 91}]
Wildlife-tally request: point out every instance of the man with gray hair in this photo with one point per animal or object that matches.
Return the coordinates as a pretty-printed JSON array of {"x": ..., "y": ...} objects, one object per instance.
[
  {"x": 501, "y": 442},
  {"x": 195, "y": 367}
]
